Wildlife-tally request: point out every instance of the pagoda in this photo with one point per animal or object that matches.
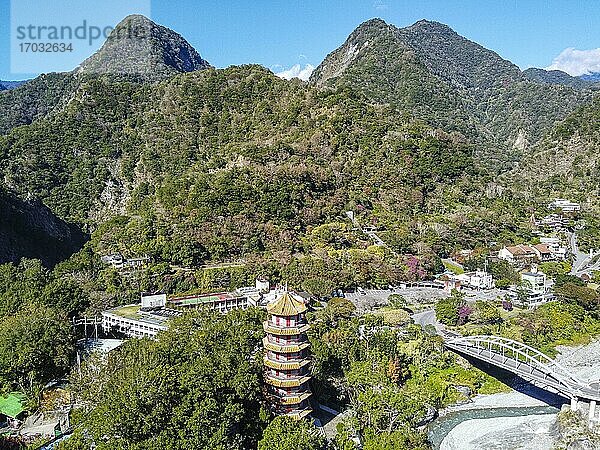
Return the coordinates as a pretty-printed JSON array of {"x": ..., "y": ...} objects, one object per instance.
[{"x": 286, "y": 356}]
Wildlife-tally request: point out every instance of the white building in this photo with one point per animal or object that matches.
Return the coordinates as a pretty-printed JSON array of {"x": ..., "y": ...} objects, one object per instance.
[
  {"x": 531, "y": 299},
  {"x": 471, "y": 280},
  {"x": 564, "y": 205},
  {"x": 117, "y": 261},
  {"x": 476, "y": 280},
  {"x": 518, "y": 253},
  {"x": 154, "y": 301},
  {"x": 559, "y": 252},
  {"x": 263, "y": 285},
  {"x": 535, "y": 281},
  {"x": 133, "y": 321}
]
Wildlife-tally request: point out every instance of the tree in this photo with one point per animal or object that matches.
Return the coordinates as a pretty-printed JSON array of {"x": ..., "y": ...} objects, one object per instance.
[
  {"x": 65, "y": 295},
  {"x": 285, "y": 433},
  {"x": 36, "y": 345},
  {"x": 486, "y": 313},
  {"x": 447, "y": 309},
  {"x": 397, "y": 440},
  {"x": 554, "y": 268},
  {"x": 502, "y": 270},
  {"x": 395, "y": 317},
  {"x": 397, "y": 301},
  {"x": 338, "y": 308},
  {"x": 562, "y": 279},
  {"x": 588, "y": 298}
]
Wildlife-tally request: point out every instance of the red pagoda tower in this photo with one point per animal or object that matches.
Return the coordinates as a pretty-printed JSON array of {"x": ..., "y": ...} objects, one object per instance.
[{"x": 286, "y": 356}]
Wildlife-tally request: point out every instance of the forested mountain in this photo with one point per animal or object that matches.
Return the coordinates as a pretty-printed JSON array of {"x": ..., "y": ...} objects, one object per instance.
[
  {"x": 137, "y": 50},
  {"x": 431, "y": 71},
  {"x": 227, "y": 162},
  {"x": 7, "y": 85},
  {"x": 567, "y": 162},
  {"x": 35, "y": 99},
  {"x": 222, "y": 175},
  {"x": 559, "y": 77},
  {"x": 594, "y": 76}
]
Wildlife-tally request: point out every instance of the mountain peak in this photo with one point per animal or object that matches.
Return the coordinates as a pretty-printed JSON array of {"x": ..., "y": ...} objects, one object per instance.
[
  {"x": 374, "y": 22},
  {"x": 138, "y": 46},
  {"x": 432, "y": 25}
]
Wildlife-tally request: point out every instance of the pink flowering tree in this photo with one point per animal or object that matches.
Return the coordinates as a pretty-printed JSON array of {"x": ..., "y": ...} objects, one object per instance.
[{"x": 414, "y": 268}]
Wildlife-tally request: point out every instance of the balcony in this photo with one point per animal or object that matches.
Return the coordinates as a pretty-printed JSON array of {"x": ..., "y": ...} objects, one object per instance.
[
  {"x": 291, "y": 399},
  {"x": 285, "y": 331},
  {"x": 286, "y": 382},
  {"x": 284, "y": 348},
  {"x": 299, "y": 414},
  {"x": 285, "y": 365}
]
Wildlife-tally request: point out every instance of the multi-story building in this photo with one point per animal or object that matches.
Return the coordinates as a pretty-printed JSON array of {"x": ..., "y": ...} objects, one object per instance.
[
  {"x": 224, "y": 302},
  {"x": 524, "y": 254},
  {"x": 286, "y": 356},
  {"x": 564, "y": 205},
  {"x": 535, "y": 281},
  {"x": 520, "y": 253},
  {"x": 150, "y": 316},
  {"x": 136, "y": 320},
  {"x": 559, "y": 252}
]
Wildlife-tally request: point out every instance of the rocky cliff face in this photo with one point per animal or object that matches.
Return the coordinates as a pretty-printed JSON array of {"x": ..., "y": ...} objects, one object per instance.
[{"x": 31, "y": 230}]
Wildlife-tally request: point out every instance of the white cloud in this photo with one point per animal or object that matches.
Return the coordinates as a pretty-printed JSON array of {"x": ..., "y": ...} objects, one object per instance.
[
  {"x": 296, "y": 71},
  {"x": 379, "y": 5},
  {"x": 577, "y": 62}
]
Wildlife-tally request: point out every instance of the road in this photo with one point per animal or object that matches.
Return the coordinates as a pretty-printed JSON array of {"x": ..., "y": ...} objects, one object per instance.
[
  {"x": 425, "y": 318},
  {"x": 584, "y": 262}
]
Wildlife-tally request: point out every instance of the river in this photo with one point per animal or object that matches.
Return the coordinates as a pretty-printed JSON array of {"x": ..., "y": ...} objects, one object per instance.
[{"x": 522, "y": 419}]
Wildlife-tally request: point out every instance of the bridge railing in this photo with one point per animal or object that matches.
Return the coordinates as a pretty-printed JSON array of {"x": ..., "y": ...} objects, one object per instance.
[{"x": 520, "y": 352}]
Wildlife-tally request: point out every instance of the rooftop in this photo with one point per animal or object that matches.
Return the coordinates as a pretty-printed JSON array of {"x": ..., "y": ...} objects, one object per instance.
[
  {"x": 134, "y": 312},
  {"x": 532, "y": 274},
  {"x": 520, "y": 249},
  {"x": 196, "y": 299},
  {"x": 12, "y": 404},
  {"x": 286, "y": 305}
]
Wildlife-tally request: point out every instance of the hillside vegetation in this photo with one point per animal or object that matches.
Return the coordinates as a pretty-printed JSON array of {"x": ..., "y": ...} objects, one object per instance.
[
  {"x": 232, "y": 162},
  {"x": 451, "y": 82}
]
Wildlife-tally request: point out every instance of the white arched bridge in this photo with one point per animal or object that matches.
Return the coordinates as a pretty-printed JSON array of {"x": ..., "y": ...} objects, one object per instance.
[{"x": 526, "y": 362}]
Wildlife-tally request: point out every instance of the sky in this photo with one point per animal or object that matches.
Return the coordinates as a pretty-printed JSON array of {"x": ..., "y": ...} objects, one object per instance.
[{"x": 290, "y": 37}]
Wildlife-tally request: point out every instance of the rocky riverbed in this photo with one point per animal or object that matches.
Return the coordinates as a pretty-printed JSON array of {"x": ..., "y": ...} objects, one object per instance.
[{"x": 524, "y": 419}]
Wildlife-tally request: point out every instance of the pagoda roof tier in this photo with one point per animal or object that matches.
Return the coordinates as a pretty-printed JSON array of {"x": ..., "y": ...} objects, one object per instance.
[
  {"x": 286, "y": 382},
  {"x": 292, "y": 399},
  {"x": 299, "y": 414},
  {"x": 290, "y": 348},
  {"x": 286, "y": 305},
  {"x": 285, "y": 365}
]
